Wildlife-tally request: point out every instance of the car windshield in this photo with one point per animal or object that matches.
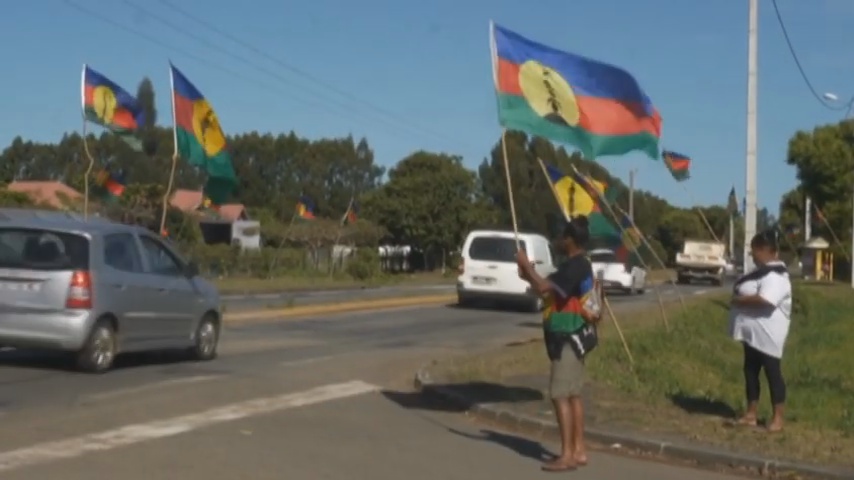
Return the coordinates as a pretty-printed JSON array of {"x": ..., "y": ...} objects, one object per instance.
[
  {"x": 33, "y": 249},
  {"x": 603, "y": 257},
  {"x": 494, "y": 249}
]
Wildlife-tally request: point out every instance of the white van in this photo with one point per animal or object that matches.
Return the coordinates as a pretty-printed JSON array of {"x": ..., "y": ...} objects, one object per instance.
[{"x": 488, "y": 269}]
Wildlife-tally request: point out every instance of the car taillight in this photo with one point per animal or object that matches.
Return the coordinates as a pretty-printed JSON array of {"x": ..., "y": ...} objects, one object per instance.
[
  {"x": 79, "y": 291},
  {"x": 462, "y": 267}
]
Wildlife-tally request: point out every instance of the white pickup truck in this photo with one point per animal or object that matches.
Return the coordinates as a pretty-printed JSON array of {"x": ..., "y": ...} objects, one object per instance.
[{"x": 701, "y": 260}]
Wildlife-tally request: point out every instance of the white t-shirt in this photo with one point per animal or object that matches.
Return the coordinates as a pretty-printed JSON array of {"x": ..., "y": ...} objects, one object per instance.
[{"x": 764, "y": 328}]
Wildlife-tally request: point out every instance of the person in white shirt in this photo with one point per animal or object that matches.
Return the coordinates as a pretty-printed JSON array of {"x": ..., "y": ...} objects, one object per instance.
[{"x": 760, "y": 315}]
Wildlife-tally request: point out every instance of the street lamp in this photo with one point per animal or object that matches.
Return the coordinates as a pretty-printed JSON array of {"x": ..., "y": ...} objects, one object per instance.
[{"x": 835, "y": 98}]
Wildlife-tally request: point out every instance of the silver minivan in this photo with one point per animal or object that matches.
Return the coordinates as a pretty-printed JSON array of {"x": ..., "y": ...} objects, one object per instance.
[{"x": 98, "y": 288}]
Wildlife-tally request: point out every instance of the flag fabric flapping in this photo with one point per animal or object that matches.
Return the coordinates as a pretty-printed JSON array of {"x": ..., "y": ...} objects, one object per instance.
[
  {"x": 111, "y": 185},
  {"x": 110, "y": 106},
  {"x": 305, "y": 208},
  {"x": 598, "y": 108},
  {"x": 677, "y": 164},
  {"x": 577, "y": 194},
  {"x": 199, "y": 138},
  {"x": 352, "y": 213}
]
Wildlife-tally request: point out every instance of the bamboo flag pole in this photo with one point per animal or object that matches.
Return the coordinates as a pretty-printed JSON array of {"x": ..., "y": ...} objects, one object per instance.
[
  {"x": 168, "y": 191},
  {"x": 820, "y": 216},
  {"x": 702, "y": 215},
  {"x": 599, "y": 290},
  {"x": 175, "y": 154},
  {"x": 566, "y": 214},
  {"x": 604, "y": 201},
  {"x": 338, "y": 235},
  {"x": 620, "y": 333},
  {"x": 88, "y": 173},
  {"x": 510, "y": 188},
  {"x": 85, "y": 146},
  {"x": 658, "y": 259},
  {"x": 494, "y": 57}
]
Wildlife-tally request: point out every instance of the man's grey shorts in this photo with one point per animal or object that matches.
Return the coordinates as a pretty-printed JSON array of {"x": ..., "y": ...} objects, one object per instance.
[{"x": 566, "y": 378}]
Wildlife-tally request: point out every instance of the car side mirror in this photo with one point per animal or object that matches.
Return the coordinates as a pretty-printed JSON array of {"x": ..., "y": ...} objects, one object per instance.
[{"x": 191, "y": 270}]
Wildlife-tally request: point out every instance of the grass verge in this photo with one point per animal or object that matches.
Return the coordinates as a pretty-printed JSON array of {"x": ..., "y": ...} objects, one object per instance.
[
  {"x": 297, "y": 283},
  {"x": 686, "y": 382}
]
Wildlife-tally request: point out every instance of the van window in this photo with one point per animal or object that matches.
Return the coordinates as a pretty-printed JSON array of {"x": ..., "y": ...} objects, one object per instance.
[
  {"x": 494, "y": 249},
  {"x": 34, "y": 249}
]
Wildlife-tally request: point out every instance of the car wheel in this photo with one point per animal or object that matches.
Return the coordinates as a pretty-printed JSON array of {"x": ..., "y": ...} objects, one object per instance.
[
  {"x": 99, "y": 352},
  {"x": 206, "y": 339}
]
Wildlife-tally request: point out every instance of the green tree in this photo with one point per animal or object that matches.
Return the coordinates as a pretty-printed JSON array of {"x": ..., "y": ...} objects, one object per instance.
[
  {"x": 426, "y": 203},
  {"x": 148, "y": 133},
  {"x": 824, "y": 162}
]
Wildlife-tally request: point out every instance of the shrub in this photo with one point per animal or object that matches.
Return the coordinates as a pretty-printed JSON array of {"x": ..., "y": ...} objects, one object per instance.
[{"x": 364, "y": 265}]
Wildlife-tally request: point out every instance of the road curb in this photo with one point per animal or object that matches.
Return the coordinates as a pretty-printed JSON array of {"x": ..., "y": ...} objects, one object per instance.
[
  {"x": 706, "y": 457},
  {"x": 342, "y": 307}
]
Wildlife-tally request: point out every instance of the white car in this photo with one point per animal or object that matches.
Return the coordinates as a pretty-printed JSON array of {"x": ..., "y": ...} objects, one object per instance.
[
  {"x": 616, "y": 275},
  {"x": 488, "y": 269}
]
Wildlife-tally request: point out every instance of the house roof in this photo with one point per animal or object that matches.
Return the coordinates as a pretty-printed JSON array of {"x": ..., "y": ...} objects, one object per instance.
[
  {"x": 51, "y": 193},
  {"x": 189, "y": 201}
]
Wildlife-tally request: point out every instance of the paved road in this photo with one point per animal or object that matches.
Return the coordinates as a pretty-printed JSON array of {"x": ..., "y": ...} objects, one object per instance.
[
  {"x": 304, "y": 398},
  {"x": 260, "y": 301},
  {"x": 235, "y": 302}
]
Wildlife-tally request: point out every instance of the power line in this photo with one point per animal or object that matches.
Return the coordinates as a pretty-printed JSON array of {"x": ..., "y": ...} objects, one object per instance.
[
  {"x": 287, "y": 66},
  {"x": 803, "y": 73},
  {"x": 204, "y": 61},
  {"x": 165, "y": 45},
  {"x": 218, "y": 48}
]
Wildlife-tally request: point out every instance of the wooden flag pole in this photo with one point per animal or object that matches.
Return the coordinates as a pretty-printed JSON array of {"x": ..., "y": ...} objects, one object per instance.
[
  {"x": 553, "y": 189},
  {"x": 510, "y": 188},
  {"x": 619, "y": 331},
  {"x": 599, "y": 288},
  {"x": 832, "y": 233},
  {"x": 655, "y": 256},
  {"x": 168, "y": 192},
  {"x": 88, "y": 172},
  {"x": 604, "y": 201},
  {"x": 702, "y": 215}
]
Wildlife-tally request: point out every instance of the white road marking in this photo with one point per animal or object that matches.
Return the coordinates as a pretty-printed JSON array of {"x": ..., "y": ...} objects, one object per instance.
[
  {"x": 149, "y": 386},
  {"x": 141, "y": 432},
  {"x": 307, "y": 361},
  {"x": 700, "y": 292}
]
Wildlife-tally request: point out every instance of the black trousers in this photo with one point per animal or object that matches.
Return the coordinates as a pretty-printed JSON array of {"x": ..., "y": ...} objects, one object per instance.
[{"x": 754, "y": 362}]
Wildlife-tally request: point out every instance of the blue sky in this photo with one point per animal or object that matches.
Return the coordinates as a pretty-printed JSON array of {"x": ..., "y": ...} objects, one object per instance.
[{"x": 428, "y": 64}]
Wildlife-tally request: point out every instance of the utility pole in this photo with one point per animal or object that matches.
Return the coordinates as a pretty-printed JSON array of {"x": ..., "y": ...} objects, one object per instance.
[
  {"x": 750, "y": 160},
  {"x": 807, "y": 219},
  {"x": 632, "y": 194}
]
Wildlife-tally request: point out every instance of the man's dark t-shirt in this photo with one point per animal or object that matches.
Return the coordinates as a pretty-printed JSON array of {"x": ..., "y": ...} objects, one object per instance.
[{"x": 572, "y": 288}]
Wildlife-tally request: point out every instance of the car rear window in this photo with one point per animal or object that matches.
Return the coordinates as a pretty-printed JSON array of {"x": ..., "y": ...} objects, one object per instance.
[
  {"x": 494, "y": 249},
  {"x": 34, "y": 249}
]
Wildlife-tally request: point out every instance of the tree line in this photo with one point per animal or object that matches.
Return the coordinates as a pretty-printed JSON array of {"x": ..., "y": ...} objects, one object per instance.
[
  {"x": 824, "y": 162},
  {"x": 428, "y": 200}
]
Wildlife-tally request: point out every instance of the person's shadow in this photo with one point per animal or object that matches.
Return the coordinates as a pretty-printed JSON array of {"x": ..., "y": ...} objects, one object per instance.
[{"x": 522, "y": 446}]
